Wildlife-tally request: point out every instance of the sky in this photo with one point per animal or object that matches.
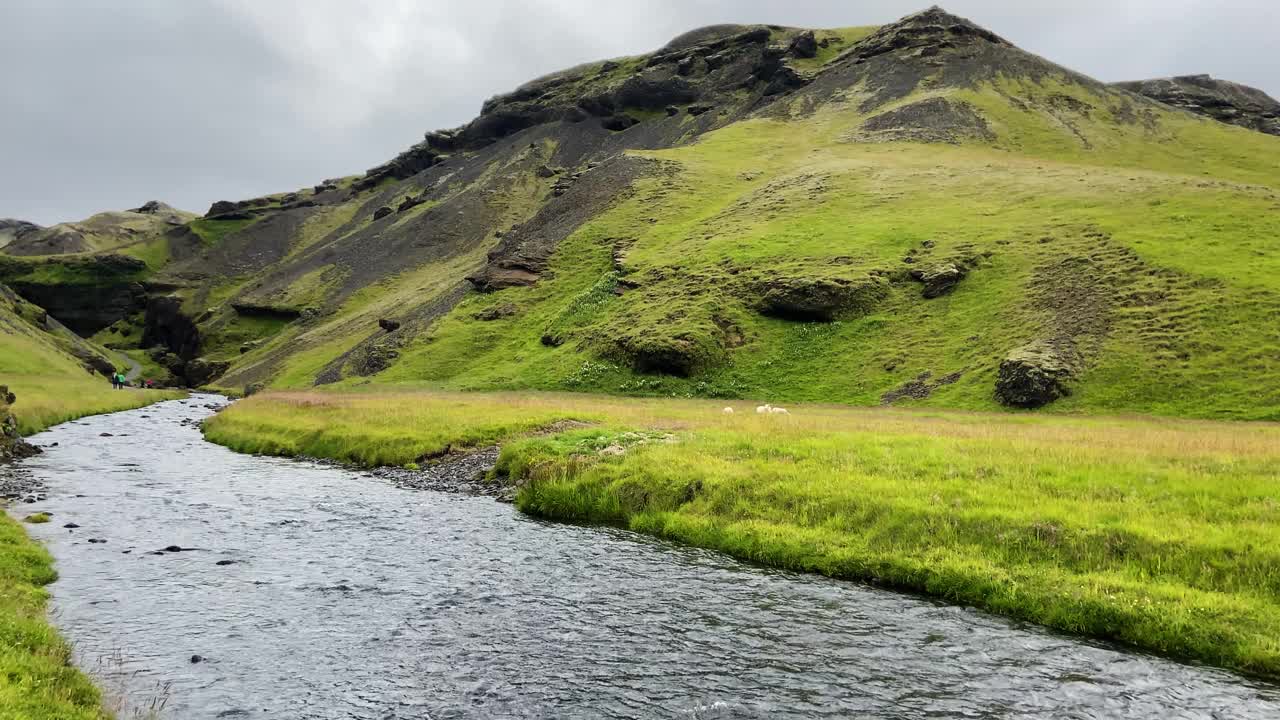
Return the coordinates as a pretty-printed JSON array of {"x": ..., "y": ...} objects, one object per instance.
[{"x": 108, "y": 104}]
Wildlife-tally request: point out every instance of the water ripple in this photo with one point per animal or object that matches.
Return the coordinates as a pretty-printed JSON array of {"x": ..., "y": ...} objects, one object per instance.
[{"x": 350, "y": 598}]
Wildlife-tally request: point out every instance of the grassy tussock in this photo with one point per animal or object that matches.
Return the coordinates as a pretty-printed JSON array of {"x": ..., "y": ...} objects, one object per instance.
[{"x": 1161, "y": 534}]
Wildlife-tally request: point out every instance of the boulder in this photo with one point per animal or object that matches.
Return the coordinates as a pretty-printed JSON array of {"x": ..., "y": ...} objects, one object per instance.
[
  {"x": 805, "y": 45},
  {"x": 696, "y": 110},
  {"x": 222, "y": 207},
  {"x": 389, "y": 325},
  {"x": 653, "y": 91},
  {"x": 939, "y": 279},
  {"x": 202, "y": 371},
  {"x": 1033, "y": 376},
  {"x": 817, "y": 299},
  {"x": 382, "y": 212}
]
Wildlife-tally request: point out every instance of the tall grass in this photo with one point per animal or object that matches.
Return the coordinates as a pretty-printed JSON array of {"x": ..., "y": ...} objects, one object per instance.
[{"x": 1162, "y": 534}]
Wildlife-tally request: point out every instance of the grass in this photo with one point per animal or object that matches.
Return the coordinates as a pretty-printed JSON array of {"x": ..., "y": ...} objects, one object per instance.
[
  {"x": 37, "y": 679},
  {"x": 1160, "y": 534},
  {"x": 1176, "y": 221}
]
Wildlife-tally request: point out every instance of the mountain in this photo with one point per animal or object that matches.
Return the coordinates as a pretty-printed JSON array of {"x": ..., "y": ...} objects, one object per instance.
[{"x": 915, "y": 213}]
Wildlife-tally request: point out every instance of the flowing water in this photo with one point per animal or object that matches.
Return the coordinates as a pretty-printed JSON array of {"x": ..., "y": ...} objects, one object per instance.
[{"x": 347, "y": 597}]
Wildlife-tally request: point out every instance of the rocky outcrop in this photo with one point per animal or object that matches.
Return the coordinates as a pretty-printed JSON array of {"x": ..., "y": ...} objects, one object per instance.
[
  {"x": 939, "y": 280},
  {"x": 1034, "y": 375},
  {"x": 932, "y": 120},
  {"x": 931, "y": 30},
  {"x": 12, "y": 446},
  {"x": 816, "y": 299},
  {"x": 86, "y": 294},
  {"x": 1221, "y": 100},
  {"x": 804, "y": 45},
  {"x": 202, "y": 371},
  {"x": 168, "y": 327}
]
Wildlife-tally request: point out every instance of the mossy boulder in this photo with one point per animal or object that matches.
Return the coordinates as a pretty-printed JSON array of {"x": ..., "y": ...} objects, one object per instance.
[
  {"x": 1034, "y": 375},
  {"x": 203, "y": 371},
  {"x": 816, "y": 298},
  {"x": 940, "y": 279},
  {"x": 655, "y": 350}
]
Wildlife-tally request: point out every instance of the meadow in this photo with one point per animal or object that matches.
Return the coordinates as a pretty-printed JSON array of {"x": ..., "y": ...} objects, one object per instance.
[{"x": 1157, "y": 533}]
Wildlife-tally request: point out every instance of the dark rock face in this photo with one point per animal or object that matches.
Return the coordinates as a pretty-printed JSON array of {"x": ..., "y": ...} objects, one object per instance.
[
  {"x": 931, "y": 120},
  {"x": 168, "y": 327},
  {"x": 12, "y": 446},
  {"x": 618, "y": 123},
  {"x": 382, "y": 212},
  {"x": 934, "y": 28},
  {"x": 653, "y": 91},
  {"x": 805, "y": 45},
  {"x": 201, "y": 371},
  {"x": 939, "y": 279},
  {"x": 1034, "y": 376},
  {"x": 103, "y": 291},
  {"x": 816, "y": 299},
  {"x": 1221, "y": 100}
]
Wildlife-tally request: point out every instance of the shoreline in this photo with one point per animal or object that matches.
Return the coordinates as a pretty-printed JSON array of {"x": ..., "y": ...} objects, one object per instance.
[
  {"x": 785, "y": 497},
  {"x": 43, "y": 682}
]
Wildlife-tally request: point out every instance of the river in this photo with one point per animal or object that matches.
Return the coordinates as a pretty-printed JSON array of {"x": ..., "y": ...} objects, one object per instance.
[{"x": 318, "y": 592}]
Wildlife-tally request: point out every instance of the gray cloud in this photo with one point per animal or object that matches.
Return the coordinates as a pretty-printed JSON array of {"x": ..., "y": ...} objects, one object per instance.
[{"x": 110, "y": 104}]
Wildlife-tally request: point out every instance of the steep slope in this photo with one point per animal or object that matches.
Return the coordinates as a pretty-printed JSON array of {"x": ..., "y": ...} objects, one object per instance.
[
  {"x": 957, "y": 215},
  {"x": 1221, "y": 100},
  {"x": 919, "y": 213},
  {"x": 55, "y": 374}
]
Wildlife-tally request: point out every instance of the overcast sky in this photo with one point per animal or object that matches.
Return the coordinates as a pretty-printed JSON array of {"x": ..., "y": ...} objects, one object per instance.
[{"x": 109, "y": 104}]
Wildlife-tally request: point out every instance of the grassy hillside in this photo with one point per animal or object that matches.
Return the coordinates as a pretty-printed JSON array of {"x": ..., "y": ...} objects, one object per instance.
[
  {"x": 1156, "y": 533},
  {"x": 863, "y": 215},
  {"x": 52, "y": 371},
  {"x": 1158, "y": 254},
  {"x": 1137, "y": 241}
]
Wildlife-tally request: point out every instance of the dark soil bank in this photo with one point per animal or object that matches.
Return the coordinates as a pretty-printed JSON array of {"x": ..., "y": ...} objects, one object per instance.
[{"x": 266, "y": 588}]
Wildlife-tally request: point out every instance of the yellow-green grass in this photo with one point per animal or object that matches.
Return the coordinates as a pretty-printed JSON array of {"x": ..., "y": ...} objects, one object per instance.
[
  {"x": 1174, "y": 219},
  {"x": 1162, "y": 534},
  {"x": 37, "y": 679},
  {"x": 51, "y": 385}
]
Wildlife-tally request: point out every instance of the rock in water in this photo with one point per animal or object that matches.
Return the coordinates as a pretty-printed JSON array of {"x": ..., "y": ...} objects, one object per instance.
[{"x": 1033, "y": 376}]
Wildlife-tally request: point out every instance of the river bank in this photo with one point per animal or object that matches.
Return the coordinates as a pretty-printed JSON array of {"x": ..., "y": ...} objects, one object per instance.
[
  {"x": 1159, "y": 534},
  {"x": 308, "y": 590},
  {"x": 37, "y": 678}
]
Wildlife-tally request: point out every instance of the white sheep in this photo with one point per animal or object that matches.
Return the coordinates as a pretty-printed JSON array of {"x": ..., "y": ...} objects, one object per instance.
[
  {"x": 728, "y": 411},
  {"x": 778, "y": 411},
  {"x": 764, "y": 409}
]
